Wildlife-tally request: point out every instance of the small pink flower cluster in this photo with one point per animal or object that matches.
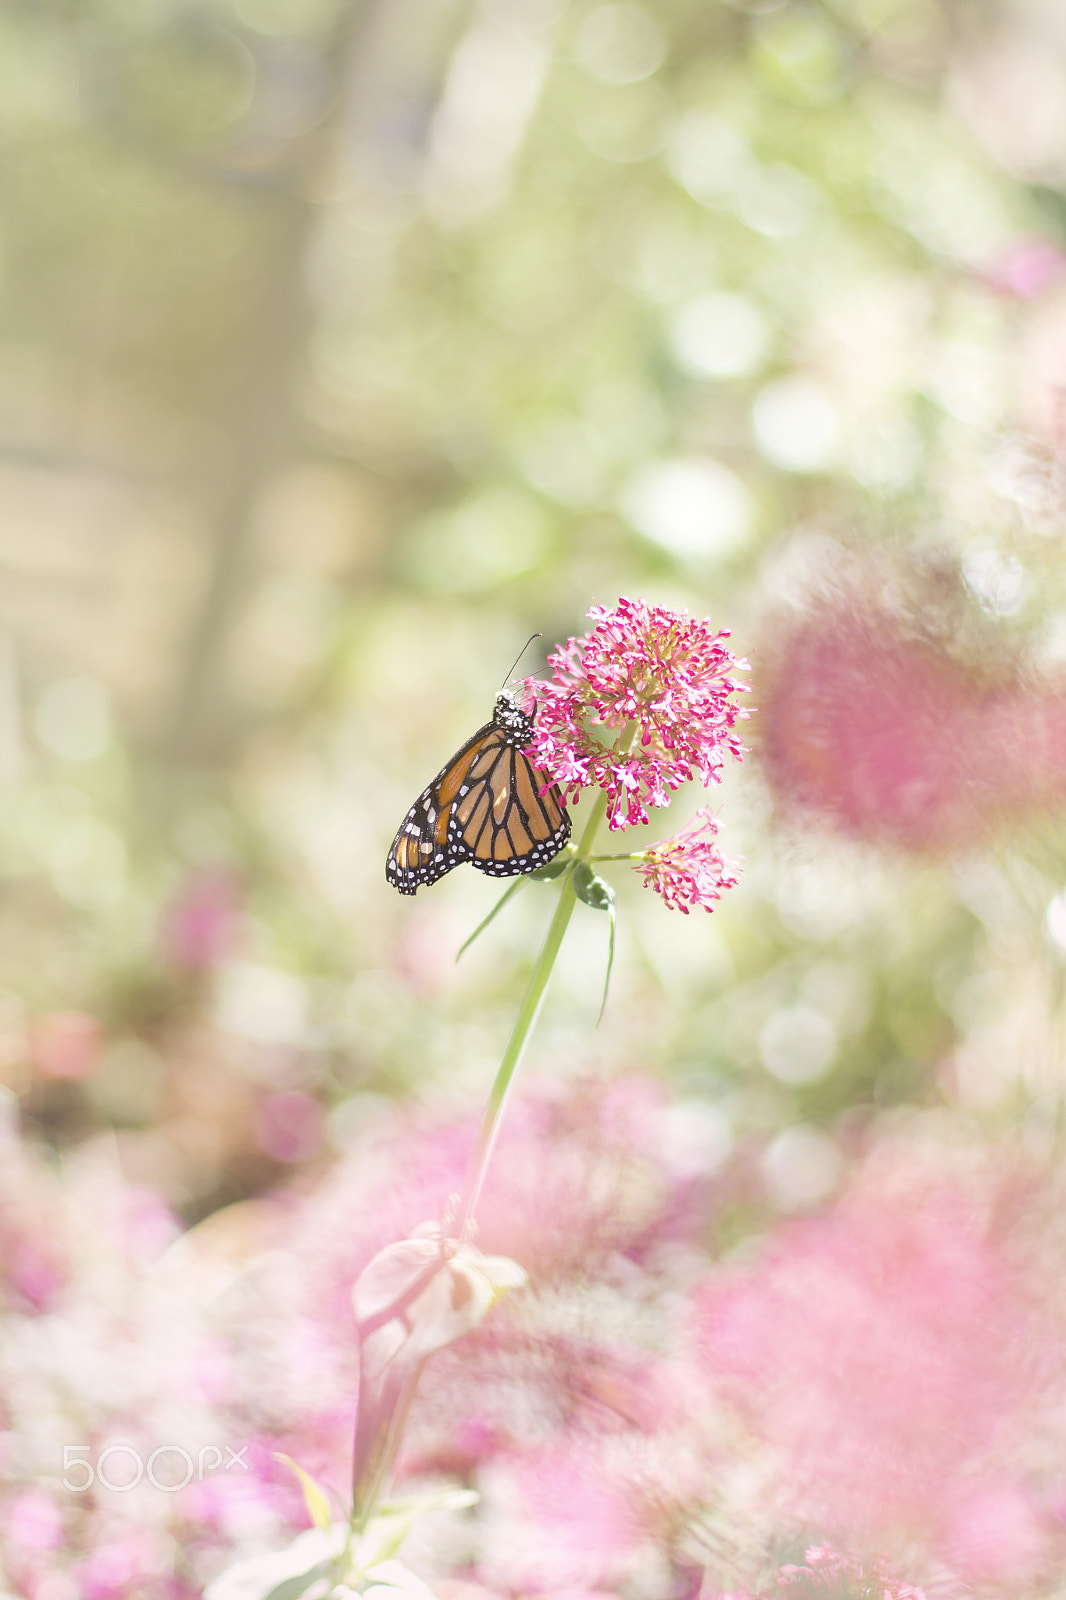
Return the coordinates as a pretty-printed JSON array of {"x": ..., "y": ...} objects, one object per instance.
[
  {"x": 827, "y": 1569},
  {"x": 689, "y": 869},
  {"x": 662, "y": 671},
  {"x": 661, "y": 684},
  {"x": 833, "y": 1575}
]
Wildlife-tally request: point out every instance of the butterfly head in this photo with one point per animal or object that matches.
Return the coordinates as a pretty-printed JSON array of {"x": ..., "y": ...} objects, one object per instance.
[{"x": 509, "y": 716}]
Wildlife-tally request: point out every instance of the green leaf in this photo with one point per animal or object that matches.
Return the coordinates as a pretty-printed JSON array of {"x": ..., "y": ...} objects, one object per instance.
[
  {"x": 554, "y": 869},
  {"x": 284, "y": 1574},
  {"x": 392, "y": 1581},
  {"x": 391, "y": 1523},
  {"x": 314, "y": 1498},
  {"x": 385, "y": 1533},
  {"x": 610, "y": 959},
  {"x": 596, "y": 892},
  {"x": 432, "y": 1500},
  {"x": 591, "y": 889},
  {"x": 497, "y": 908},
  {"x": 293, "y": 1588}
]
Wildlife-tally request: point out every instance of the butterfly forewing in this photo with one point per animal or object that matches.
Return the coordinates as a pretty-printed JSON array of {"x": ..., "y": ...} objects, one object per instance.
[{"x": 484, "y": 807}]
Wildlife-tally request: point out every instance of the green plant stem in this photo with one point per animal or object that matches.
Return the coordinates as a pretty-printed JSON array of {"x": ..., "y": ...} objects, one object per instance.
[{"x": 527, "y": 1016}]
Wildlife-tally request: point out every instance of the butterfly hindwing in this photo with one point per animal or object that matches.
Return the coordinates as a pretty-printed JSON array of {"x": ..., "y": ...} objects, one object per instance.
[
  {"x": 484, "y": 807},
  {"x": 424, "y": 848}
]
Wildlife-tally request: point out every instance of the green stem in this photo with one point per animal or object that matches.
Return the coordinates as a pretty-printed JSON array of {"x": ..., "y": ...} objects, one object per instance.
[{"x": 527, "y": 1016}]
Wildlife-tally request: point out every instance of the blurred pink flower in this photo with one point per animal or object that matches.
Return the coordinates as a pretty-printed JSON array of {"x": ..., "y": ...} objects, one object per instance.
[
  {"x": 240, "y": 1506},
  {"x": 31, "y": 1522},
  {"x": 664, "y": 671},
  {"x": 689, "y": 869},
  {"x": 66, "y": 1044},
  {"x": 149, "y": 1224},
  {"x": 579, "y": 1172},
  {"x": 578, "y": 1594},
  {"x": 582, "y": 1179},
  {"x": 575, "y": 1523},
  {"x": 884, "y": 732},
  {"x": 36, "y": 1269},
  {"x": 996, "y": 1532},
  {"x": 1025, "y": 268},
  {"x": 201, "y": 925},
  {"x": 890, "y": 1350},
  {"x": 290, "y": 1126},
  {"x": 122, "y": 1566},
  {"x": 204, "y": 1372}
]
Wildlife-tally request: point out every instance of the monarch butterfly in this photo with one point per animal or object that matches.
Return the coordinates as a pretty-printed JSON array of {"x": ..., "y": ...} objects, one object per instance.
[{"x": 483, "y": 807}]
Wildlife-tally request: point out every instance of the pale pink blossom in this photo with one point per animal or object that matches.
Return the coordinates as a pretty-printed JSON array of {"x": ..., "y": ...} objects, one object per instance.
[
  {"x": 149, "y": 1224},
  {"x": 201, "y": 925},
  {"x": 574, "y": 1522},
  {"x": 36, "y": 1269},
  {"x": 1025, "y": 269},
  {"x": 31, "y": 1522},
  {"x": 121, "y": 1565},
  {"x": 290, "y": 1126},
  {"x": 66, "y": 1044}
]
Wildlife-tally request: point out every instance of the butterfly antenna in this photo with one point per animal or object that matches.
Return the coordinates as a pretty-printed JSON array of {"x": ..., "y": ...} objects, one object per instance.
[{"x": 520, "y": 654}]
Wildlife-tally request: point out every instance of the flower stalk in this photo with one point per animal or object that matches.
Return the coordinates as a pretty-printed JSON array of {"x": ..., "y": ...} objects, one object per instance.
[{"x": 528, "y": 1012}]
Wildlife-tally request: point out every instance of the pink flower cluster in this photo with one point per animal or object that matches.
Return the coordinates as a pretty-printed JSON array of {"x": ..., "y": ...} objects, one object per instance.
[
  {"x": 834, "y": 1575},
  {"x": 662, "y": 673},
  {"x": 827, "y": 1569},
  {"x": 689, "y": 869}
]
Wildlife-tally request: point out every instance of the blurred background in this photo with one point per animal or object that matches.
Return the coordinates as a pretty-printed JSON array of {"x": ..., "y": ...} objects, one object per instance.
[{"x": 343, "y": 344}]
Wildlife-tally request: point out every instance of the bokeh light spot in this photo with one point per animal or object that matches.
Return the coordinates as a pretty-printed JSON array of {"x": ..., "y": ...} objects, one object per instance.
[
  {"x": 699, "y": 1138},
  {"x": 710, "y": 158},
  {"x": 73, "y": 719},
  {"x": 797, "y": 1045},
  {"x": 487, "y": 540},
  {"x": 625, "y": 123},
  {"x": 796, "y": 425},
  {"x": 802, "y": 52},
  {"x": 694, "y": 509},
  {"x": 720, "y": 336},
  {"x": 262, "y": 1003},
  {"x": 778, "y": 201},
  {"x": 801, "y": 1167},
  {"x": 1056, "y": 919},
  {"x": 996, "y": 579},
  {"x": 620, "y": 44},
  {"x": 278, "y": 18}
]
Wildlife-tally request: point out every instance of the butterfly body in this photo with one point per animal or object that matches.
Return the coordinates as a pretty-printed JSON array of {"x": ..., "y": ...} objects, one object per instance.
[{"x": 484, "y": 807}]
